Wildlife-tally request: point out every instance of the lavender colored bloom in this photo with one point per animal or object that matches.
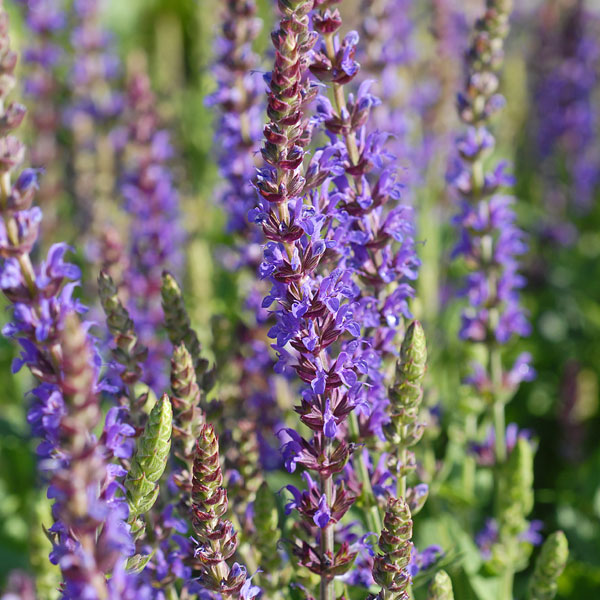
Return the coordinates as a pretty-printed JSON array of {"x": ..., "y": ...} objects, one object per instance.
[
  {"x": 46, "y": 20},
  {"x": 90, "y": 537},
  {"x": 421, "y": 561},
  {"x": 155, "y": 229},
  {"x": 487, "y": 538},
  {"x": 489, "y": 240},
  {"x": 94, "y": 106}
]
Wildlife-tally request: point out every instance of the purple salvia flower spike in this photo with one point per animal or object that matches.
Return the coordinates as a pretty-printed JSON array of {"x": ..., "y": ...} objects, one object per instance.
[
  {"x": 46, "y": 20},
  {"x": 489, "y": 239},
  {"x": 156, "y": 234},
  {"x": 90, "y": 536}
]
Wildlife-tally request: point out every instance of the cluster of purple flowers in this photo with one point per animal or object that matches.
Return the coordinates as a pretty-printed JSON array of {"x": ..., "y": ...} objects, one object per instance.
[
  {"x": 150, "y": 504},
  {"x": 90, "y": 538},
  {"x": 47, "y": 21},
  {"x": 489, "y": 240},
  {"x": 155, "y": 231},
  {"x": 340, "y": 253}
]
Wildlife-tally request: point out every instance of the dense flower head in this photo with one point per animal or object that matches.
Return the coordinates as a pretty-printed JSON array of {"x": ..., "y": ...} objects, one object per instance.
[{"x": 339, "y": 254}]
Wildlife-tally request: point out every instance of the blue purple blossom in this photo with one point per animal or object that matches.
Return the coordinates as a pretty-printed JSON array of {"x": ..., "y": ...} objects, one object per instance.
[
  {"x": 89, "y": 535},
  {"x": 156, "y": 234}
]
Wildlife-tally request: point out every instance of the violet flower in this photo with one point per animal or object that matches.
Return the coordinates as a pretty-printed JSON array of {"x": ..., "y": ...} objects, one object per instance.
[
  {"x": 485, "y": 452},
  {"x": 156, "y": 234},
  {"x": 90, "y": 537},
  {"x": 321, "y": 222},
  {"x": 94, "y": 106},
  {"x": 489, "y": 240},
  {"x": 46, "y": 21}
]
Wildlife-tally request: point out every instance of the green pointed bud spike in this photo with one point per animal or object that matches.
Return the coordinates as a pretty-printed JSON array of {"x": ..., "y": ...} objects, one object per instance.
[
  {"x": 413, "y": 353},
  {"x": 150, "y": 459},
  {"x": 389, "y": 567},
  {"x": 548, "y": 567},
  {"x": 178, "y": 323},
  {"x": 407, "y": 392},
  {"x": 516, "y": 488},
  {"x": 187, "y": 397},
  {"x": 129, "y": 351},
  {"x": 441, "y": 587}
]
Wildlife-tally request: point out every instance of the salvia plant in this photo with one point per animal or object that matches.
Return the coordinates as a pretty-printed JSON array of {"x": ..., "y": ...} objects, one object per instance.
[{"x": 349, "y": 410}]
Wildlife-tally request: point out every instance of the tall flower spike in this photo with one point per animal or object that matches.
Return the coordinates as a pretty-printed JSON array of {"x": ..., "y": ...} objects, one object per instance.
[
  {"x": 179, "y": 329},
  {"x": 95, "y": 104},
  {"x": 516, "y": 489},
  {"x": 404, "y": 429},
  {"x": 188, "y": 417},
  {"x": 89, "y": 535},
  {"x": 548, "y": 567},
  {"x": 238, "y": 102},
  {"x": 374, "y": 234},
  {"x": 46, "y": 20},
  {"x": 156, "y": 235},
  {"x": 390, "y": 567},
  {"x": 84, "y": 565},
  {"x": 441, "y": 587},
  {"x": 148, "y": 464},
  {"x": 489, "y": 240},
  {"x": 217, "y": 539}
]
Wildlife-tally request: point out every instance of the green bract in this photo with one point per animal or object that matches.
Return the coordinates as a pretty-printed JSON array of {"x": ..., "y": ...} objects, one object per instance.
[
  {"x": 548, "y": 567},
  {"x": 441, "y": 587},
  {"x": 148, "y": 463}
]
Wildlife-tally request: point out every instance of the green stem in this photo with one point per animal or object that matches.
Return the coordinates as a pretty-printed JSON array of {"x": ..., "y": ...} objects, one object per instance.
[
  {"x": 401, "y": 455},
  {"x": 373, "y": 517},
  {"x": 499, "y": 431},
  {"x": 506, "y": 590},
  {"x": 326, "y": 590},
  {"x": 469, "y": 464}
]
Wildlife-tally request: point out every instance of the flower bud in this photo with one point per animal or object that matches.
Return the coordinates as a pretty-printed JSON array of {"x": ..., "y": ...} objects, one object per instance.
[
  {"x": 441, "y": 587},
  {"x": 548, "y": 567}
]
